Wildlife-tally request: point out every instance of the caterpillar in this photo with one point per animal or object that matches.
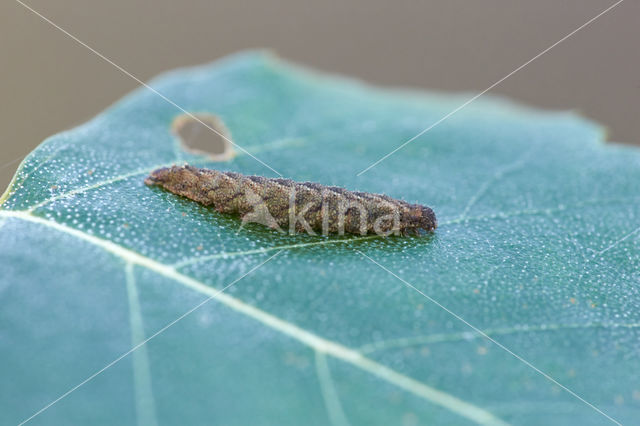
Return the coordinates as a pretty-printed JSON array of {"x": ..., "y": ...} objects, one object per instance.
[{"x": 296, "y": 206}]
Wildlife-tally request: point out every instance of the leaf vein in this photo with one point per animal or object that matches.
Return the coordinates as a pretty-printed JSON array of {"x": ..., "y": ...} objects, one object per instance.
[
  {"x": 329, "y": 392},
  {"x": 467, "y": 335},
  {"x": 143, "y": 389},
  {"x": 496, "y": 177},
  {"x": 194, "y": 260}
]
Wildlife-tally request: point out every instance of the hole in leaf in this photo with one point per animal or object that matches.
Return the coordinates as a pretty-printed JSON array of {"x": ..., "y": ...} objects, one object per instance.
[{"x": 196, "y": 136}]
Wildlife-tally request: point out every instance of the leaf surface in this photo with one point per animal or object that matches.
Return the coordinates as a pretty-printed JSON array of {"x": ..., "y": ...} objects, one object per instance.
[{"x": 538, "y": 246}]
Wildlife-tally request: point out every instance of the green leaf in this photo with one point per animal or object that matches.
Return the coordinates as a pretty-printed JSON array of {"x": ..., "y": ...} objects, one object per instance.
[{"x": 538, "y": 246}]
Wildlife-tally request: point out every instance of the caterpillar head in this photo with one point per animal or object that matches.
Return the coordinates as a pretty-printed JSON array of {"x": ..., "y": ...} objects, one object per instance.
[
  {"x": 417, "y": 220},
  {"x": 179, "y": 180}
]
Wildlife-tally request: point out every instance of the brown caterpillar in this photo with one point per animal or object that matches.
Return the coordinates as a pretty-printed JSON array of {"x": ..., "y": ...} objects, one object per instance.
[{"x": 296, "y": 206}]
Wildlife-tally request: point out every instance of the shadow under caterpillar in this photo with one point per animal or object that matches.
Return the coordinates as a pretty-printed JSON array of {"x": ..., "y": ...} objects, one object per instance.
[{"x": 296, "y": 206}]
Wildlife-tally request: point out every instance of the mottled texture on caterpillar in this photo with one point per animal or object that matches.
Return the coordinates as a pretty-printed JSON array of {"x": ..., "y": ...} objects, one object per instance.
[{"x": 295, "y": 206}]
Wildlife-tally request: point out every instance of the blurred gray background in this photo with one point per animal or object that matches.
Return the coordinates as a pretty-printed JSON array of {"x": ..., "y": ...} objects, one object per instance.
[{"x": 50, "y": 83}]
